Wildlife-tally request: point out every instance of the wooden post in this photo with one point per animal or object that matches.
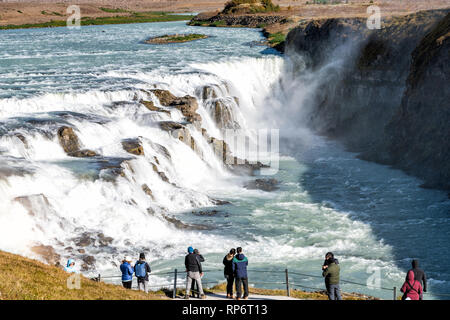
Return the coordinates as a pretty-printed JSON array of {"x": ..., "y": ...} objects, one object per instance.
[
  {"x": 174, "y": 295},
  {"x": 287, "y": 283},
  {"x": 395, "y": 293},
  {"x": 99, "y": 277}
]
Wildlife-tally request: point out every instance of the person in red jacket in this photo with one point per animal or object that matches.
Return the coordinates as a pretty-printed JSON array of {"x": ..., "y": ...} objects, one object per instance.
[{"x": 412, "y": 288}]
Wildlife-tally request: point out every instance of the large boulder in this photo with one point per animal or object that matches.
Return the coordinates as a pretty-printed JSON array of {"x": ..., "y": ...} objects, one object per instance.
[
  {"x": 188, "y": 106},
  {"x": 133, "y": 146},
  {"x": 71, "y": 145},
  {"x": 68, "y": 140},
  {"x": 165, "y": 97}
]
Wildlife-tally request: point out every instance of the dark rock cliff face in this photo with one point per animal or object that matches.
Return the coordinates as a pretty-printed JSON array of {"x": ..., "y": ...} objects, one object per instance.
[
  {"x": 386, "y": 91},
  {"x": 242, "y": 20}
]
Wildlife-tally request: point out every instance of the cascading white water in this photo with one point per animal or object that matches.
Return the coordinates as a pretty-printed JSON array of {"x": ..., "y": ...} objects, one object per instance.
[
  {"x": 78, "y": 194},
  {"x": 98, "y": 207}
]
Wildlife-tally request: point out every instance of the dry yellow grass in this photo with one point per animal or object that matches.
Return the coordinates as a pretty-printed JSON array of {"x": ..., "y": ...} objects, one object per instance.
[{"x": 25, "y": 279}]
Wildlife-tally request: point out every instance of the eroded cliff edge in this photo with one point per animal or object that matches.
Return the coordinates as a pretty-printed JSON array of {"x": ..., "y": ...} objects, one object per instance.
[{"x": 386, "y": 93}]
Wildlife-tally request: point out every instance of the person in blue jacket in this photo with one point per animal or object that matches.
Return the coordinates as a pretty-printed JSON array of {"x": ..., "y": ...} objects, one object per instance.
[
  {"x": 240, "y": 263},
  {"x": 127, "y": 273},
  {"x": 70, "y": 267}
]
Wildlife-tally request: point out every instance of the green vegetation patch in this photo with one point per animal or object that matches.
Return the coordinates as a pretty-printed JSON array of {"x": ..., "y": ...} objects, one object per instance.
[
  {"x": 141, "y": 17},
  {"x": 276, "y": 38},
  {"x": 113, "y": 10},
  {"x": 176, "y": 38}
]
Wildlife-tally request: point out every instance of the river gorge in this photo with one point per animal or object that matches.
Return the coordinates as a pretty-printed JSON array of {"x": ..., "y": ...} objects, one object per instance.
[{"x": 109, "y": 147}]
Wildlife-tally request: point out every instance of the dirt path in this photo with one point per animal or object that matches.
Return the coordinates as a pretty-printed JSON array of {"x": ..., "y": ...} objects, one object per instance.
[{"x": 252, "y": 297}]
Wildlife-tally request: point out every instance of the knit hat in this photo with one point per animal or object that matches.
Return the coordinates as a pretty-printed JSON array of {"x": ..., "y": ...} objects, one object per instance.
[
  {"x": 190, "y": 250},
  {"x": 142, "y": 256}
]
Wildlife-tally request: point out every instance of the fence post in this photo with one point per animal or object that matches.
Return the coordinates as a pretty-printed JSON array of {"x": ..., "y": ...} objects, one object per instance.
[
  {"x": 174, "y": 295},
  {"x": 287, "y": 283},
  {"x": 99, "y": 277},
  {"x": 395, "y": 293}
]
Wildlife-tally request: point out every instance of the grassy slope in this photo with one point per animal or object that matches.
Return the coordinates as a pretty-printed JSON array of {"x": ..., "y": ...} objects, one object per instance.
[{"x": 25, "y": 279}]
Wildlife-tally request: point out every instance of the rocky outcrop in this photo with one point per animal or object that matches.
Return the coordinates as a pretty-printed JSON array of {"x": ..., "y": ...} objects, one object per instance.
[
  {"x": 369, "y": 99},
  {"x": 71, "y": 145},
  {"x": 151, "y": 106},
  {"x": 418, "y": 135},
  {"x": 207, "y": 92},
  {"x": 187, "y": 105},
  {"x": 181, "y": 225},
  {"x": 133, "y": 146},
  {"x": 147, "y": 191},
  {"x": 92, "y": 239},
  {"x": 223, "y": 115},
  {"x": 47, "y": 253},
  {"x": 263, "y": 184},
  {"x": 238, "y": 20},
  {"x": 165, "y": 97}
]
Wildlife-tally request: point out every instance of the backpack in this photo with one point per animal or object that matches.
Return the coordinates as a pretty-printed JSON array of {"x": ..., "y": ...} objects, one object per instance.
[
  {"x": 411, "y": 288},
  {"x": 140, "y": 270}
]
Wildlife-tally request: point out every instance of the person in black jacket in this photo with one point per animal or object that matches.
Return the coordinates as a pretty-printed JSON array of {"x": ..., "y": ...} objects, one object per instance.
[
  {"x": 228, "y": 272},
  {"x": 194, "y": 272},
  {"x": 419, "y": 275},
  {"x": 193, "y": 289},
  {"x": 142, "y": 270}
]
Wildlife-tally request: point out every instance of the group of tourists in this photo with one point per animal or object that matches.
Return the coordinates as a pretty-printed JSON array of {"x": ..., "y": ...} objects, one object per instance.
[
  {"x": 413, "y": 287},
  {"x": 235, "y": 272},
  {"x": 141, "y": 269}
]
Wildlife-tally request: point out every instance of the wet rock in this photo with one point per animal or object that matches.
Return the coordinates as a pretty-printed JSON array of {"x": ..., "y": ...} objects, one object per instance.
[
  {"x": 22, "y": 138},
  {"x": 219, "y": 202},
  {"x": 170, "y": 125},
  {"x": 208, "y": 213},
  {"x": 103, "y": 240},
  {"x": 223, "y": 115},
  {"x": 71, "y": 145},
  {"x": 85, "y": 153},
  {"x": 162, "y": 150},
  {"x": 89, "y": 262},
  {"x": 161, "y": 174},
  {"x": 47, "y": 253},
  {"x": 181, "y": 225},
  {"x": 263, "y": 184},
  {"x": 84, "y": 240},
  {"x": 151, "y": 106},
  {"x": 188, "y": 106},
  {"x": 133, "y": 146},
  {"x": 69, "y": 249},
  {"x": 82, "y": 251},
  {"x": 165, "y": 97},
  {"x": 28, "y": 201},
  {"x": 147, "y": 191},
  {"x": 206, "y": 92},
  {"x": 68, "y": 140}
]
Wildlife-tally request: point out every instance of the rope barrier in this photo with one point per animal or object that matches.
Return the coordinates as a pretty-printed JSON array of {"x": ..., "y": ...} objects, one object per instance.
[{"x": 182, "y": 282}]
